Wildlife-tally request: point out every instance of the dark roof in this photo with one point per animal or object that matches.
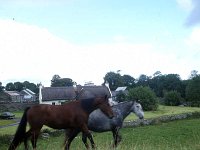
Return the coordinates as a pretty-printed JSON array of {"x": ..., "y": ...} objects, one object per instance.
[{"x": 69, "y": 93}]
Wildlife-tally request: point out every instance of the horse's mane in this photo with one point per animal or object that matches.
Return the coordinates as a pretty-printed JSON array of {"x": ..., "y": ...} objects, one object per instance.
[
  {"x": 122, "y": 103},
  {"x": 87, "y": 104}
]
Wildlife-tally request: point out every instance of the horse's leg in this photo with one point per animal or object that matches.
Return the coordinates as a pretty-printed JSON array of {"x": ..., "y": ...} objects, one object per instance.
[
  {"x": 116, "y": 136},
  {"x": 88, "y": 135},
  {"x": 84, "y": 139},
  {"x": 34, "y": 137},
  {"x": 70, "y": 135},
  {"x": 28, "y": 134}
]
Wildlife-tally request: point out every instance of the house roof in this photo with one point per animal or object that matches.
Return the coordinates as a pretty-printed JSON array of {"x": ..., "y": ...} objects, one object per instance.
[
  {"x": 121, "y": 89},
  {"x": 69, "y": 93},
  {"x": 28, "y": 92},
  {"x": 12, "y": 93}
]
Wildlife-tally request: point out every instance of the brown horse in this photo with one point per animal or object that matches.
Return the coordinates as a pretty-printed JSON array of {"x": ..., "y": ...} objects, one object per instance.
[{"x": 72, "y": 116}]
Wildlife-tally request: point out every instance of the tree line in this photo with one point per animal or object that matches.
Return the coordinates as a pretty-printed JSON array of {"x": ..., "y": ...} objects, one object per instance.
[{"x": 169, "y": 89}]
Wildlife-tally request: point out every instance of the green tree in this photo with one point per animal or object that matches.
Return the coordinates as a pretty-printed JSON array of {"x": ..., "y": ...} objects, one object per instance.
[
  {"x": 172, "y": 98},
  {"x": 143, "y": 80},
  {"x": 57, "y": 81},
  {"x": 19, "y": 86},
  {"x": 115, "y": 80},
  {"x": 33, "y": 87},
  {"x": 121, "y": 96},
  {"x": 193, "y": 74},
  {"x": 146, "y": 96},
  {"x": 169, "y": 82},
  {"x": 1, "y": 87},
  {"x": 10, "y": 87},
  {"x": 128, "y": 81},
  {"x": 193, "y": 91}
]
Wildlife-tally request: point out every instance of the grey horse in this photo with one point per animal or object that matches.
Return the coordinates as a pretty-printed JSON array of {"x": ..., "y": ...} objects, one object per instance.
[{"x": 99, "y": 122}]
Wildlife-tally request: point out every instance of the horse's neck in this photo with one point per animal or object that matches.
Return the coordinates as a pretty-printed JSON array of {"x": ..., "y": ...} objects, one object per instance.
[
  {"x": 87, "y": 105},
  {"x": 125, "y": 108}
]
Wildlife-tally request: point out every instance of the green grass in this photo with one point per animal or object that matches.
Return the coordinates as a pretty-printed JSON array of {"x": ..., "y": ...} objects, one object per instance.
[
  {"x": 162, "y": 110},
  {"x": 6, "y": 122},
  {"x": 165, "y": 110},
  {"x": 176, "y": 135}
]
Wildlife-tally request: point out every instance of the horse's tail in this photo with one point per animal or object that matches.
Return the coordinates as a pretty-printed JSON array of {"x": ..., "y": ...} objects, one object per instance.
[{"x": 21, "y": 131}]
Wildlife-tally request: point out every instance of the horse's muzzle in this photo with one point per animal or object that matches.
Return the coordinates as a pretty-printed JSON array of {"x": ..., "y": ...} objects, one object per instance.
[{"x": 142, "y": 117}]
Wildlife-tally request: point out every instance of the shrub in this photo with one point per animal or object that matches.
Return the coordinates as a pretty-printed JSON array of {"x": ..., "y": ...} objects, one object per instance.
[
  {"x": 193, "y": 91},
  {"x": 172, "y": 98},
  {"x": 146, "y": 96},
  {"x": 121, "y": 96}
]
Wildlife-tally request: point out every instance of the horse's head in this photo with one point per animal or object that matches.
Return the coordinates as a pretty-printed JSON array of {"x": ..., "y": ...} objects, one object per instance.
[
  {"x": 103, "y": 104},
  {"x": 137, "y": 109}
]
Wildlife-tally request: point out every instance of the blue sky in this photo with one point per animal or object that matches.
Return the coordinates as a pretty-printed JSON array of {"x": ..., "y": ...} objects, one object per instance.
[{"x": 85, "y": 39}]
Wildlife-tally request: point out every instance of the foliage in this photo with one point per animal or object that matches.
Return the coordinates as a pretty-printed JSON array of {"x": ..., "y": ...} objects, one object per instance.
[
  {"x": 193, "y": 91},
  {"x": 128, "y": 81},
  {"x": 143, "y": 80},
  {"x": 121, "y": 96},
  {"x": 116, "y": 80},
  {"x": 194, "y": 73},
  {"x": 19, "y": 86},
  {"x": 10, "y": 87},
  {"x": 169, "y": 82},
  {"x": 57, "y": 81},
  {"x": 1, "y": 87},
  {"x": 172, "y": 98},
  {"x": 146, "y": 96}
]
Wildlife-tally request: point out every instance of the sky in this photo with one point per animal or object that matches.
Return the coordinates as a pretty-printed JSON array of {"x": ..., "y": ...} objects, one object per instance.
[{"x": 85, "y": 39}]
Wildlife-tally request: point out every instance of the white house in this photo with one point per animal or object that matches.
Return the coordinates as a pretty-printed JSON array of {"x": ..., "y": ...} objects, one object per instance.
[{"x": 59, "y": 95}]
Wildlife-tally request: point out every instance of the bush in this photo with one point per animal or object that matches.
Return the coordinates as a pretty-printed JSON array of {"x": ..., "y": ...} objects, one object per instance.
[
  {"x": 121, "y": 96},
  {"x": 172, "y": 98},
  {"x": 146, "y": 96},
  {"x": 193, "y": 91}
]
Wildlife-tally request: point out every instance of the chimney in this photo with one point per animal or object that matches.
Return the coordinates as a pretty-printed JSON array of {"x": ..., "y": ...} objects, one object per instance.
[{"x": 40, "y": 93}]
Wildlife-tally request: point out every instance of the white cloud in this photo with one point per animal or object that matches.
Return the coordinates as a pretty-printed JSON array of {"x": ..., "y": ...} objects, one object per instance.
[
  {"x": 193, "y": 41},
  {"x": 34, "y": 54},
  {"x": 185, "y": 4}
]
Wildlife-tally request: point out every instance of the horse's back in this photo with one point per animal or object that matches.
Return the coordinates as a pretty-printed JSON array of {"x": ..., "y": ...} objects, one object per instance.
[{"x": 55, "y": 116}]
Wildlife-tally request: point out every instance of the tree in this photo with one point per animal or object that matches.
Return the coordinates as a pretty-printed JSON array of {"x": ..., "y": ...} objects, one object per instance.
[
  {"x": 128, "y": 81},
  {"x": 121, "y": 96},
  {"x": 114, "y": 79},
  {"x": 157, "y": 73},
  {"x": 146, "y": 96},
  {"x": 193, "y": 74},
  {"x": 1, "y": 87},
  {"x": 169, "y": 82},
  {"x": 18, "y": 86},
  {"x": 33, "y": 87},
  {"x": 143, "y": 80},
  {"x": 57, "y": 81},
  {"x": 172, "y": 98},
  {"x": 193, "y": 91},
  {"x": 10, "y": 87}
]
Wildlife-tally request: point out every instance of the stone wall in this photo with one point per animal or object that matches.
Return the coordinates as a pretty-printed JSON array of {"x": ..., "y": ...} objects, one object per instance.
[
  {"x": 15, "y": 106},
  {"x": 161, "y": 119}
]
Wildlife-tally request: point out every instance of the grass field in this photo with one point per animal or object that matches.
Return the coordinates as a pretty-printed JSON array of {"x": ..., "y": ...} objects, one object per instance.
[
  {"x": 183, "y": 135},
  {"x": 176, "y": 135},
  {"x": 165, "y": 110}
]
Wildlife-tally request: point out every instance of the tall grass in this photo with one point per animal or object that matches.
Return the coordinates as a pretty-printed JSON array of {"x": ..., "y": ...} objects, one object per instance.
[{"x": 177, "y": 135}]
